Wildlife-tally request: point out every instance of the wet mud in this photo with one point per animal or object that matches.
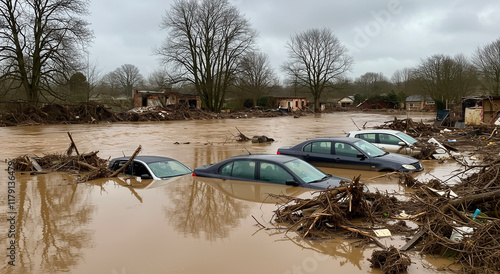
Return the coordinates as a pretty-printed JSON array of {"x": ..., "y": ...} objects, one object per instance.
[{"x": 187, "y": 225}]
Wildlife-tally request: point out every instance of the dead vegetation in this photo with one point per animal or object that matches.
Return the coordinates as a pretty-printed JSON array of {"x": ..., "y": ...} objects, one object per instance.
[
  {"x": 390, "y": 260},
  {"x": 89, "y": 165},
  {"x": 84, "y": 113}
]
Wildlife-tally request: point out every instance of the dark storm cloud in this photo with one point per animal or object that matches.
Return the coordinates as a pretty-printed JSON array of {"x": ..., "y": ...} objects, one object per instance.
[{"x": 382, "y": 36}]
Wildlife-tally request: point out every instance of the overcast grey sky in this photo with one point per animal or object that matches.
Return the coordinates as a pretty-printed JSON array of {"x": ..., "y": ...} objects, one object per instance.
[{"x": 381, "y": 35}]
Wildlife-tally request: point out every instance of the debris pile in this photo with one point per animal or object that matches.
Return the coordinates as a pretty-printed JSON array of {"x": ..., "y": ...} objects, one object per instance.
[
  {"x": 60, "y": 163},
  {"x": 460, "y": 220},
  {"x": 59, "y": 114},
  {"x": 390, "y": 260},
  {"x": 416, "y": 129},
  {"x": 94, "y": 113},
  {"x": 331, "y": 209},
  {"x": 89, "y": 164}
]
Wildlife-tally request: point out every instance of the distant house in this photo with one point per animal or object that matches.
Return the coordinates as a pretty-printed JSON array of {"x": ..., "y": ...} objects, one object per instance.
[
  {"x": 145, "y": 98},
  {"x": 346, "y": 101},
  {"x": 419, "y": 103},
  {"x": 291, "y": 103}
]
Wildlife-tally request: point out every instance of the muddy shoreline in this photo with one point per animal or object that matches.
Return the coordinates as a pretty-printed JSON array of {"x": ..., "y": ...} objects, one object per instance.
[{"x": 90, "y": 113}]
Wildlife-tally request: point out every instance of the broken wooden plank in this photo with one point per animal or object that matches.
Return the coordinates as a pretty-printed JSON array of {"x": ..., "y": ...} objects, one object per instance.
[{"x": 413, "y": 240}]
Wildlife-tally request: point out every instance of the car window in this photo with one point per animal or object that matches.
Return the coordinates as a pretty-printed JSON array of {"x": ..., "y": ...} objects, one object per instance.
[
  {"x": 168, "y": 169},
  {"x": 138, "y": 169},
  {"x": 304, "y": 170},
  {"x": 318, "y": 147},
  {"x": 274, "y": 173},
  {"x": 118, "y": 164},
  {"x": 370, "y": 137},
  {"x": 369, "y": 148},
  {"x": 343, "y": 149},
  {"x": 388, "y": 139},
  {"x": 406, "y": 137},
  {"x": 227, "y": 169},
  {"x": 239, "y": 169}
]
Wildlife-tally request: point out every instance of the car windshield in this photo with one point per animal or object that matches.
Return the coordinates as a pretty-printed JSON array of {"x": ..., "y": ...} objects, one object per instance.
[
  {"x": 406, "y": 137},
  {"x": 369, "y": 148},
  {"x": 305, "y": 171},
  {"x": 168, "y": 169}
]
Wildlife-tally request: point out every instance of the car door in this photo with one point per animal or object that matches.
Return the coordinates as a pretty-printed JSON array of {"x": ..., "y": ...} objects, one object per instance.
[
  {"x": 392, "y": 143},
  {"x": 349, "y": 157},
  {"x": 319, "y": 153},
  {"x": 240, "y": 169}
]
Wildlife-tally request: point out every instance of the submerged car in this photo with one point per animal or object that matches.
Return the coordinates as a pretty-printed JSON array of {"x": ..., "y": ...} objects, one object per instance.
[
  {"x": 270, "y": 168},
  {"x": 388, "y": 140},
  {"x": 151, "y": 167},
  {"x": 396, "y": 141},
  {"x": 350, "y": 153}
]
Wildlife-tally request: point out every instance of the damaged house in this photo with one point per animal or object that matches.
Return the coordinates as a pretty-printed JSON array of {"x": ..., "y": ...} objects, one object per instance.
[
  {"x": 291, "y": 103},
  {"x": 478, "y": 110},
  {"x": 145, "y": 98}
]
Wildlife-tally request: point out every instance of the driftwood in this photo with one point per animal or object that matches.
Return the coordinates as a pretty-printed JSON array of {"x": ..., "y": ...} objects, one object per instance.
[
  {"x": 72, "y": 146},
  {"x": 114, "y": 174}
]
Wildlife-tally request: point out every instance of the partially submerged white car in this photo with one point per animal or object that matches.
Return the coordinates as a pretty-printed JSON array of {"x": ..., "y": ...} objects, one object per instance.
[{"x": 396, "y": 141}]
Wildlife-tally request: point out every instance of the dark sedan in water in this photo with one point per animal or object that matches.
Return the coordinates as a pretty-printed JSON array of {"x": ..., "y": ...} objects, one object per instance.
[
  {"x": 270, "y": 168},
  {"x": 350, "y": 153}
]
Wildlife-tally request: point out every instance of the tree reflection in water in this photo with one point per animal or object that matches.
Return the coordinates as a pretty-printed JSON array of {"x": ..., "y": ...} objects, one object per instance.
[
  {"x": 205, "y": 212},
  {"x": 51, "y": 221}
]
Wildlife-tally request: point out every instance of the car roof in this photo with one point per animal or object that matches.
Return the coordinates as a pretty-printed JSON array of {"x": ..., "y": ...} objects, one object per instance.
[
  {"x": 268, "y": 157},
  {"x": 145, "y": 159},
  {"x": 391, "y": 131},
  {"x": 332, "y": 139}
]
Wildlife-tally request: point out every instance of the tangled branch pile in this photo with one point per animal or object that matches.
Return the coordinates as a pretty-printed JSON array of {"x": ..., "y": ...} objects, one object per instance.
[
  {"x": 89, "y": 162},
  {"x": 331, "y": 209},
  {"x": 94, "y": 113},
  {"x": 390, "y": 260},
  {"x": 448, "y": 226},
  {"x": 448, "y": 222},
  {"x": 59, "y": 114},
  {"x": 411, "y": 127}
]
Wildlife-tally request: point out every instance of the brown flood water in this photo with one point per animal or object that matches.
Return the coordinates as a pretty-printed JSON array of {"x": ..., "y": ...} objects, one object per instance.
[{"x": 190, "y": 225}]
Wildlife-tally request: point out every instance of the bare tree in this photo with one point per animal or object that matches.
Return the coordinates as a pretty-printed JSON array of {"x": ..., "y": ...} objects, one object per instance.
[
  {"x": 401, "y": 78},
  {"x": 159, "y": 80},
  {"x": 41, "y": 42},
  {"x": 316, "y": 60},
  {"x": 94, "y": 77},
  {"x": 125, "y": 78},
  {"x": 205, "y": 41},
  {"x": 255, "y": 75},
  {"x": 372, "y": 83},
  {"x": 487, "y": 62},
  {"x": 445, "y": 78}
]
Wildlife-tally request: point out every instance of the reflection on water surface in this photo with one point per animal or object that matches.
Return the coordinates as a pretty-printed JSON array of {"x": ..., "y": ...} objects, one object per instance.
[{"x": 186, "y": 225}]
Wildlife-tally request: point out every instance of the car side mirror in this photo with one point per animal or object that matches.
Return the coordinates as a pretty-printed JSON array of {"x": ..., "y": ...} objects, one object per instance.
[
  {"x": 146, "y": 176},
  {"x": 402, "y": 144},
  {"x": 361, "y": 156},
  {"x": 292, "y": 183}
]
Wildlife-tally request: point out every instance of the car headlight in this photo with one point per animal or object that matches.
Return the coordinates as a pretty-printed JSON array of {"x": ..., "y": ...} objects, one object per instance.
[{"x": 410, "y": 167}]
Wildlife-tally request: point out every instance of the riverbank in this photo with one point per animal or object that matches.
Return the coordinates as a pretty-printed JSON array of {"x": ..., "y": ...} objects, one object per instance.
[{"x": 91, "y": 113}]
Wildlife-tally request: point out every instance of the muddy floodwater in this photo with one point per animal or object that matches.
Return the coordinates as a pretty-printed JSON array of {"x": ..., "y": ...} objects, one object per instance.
[{"x": 188, "y": 225}]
